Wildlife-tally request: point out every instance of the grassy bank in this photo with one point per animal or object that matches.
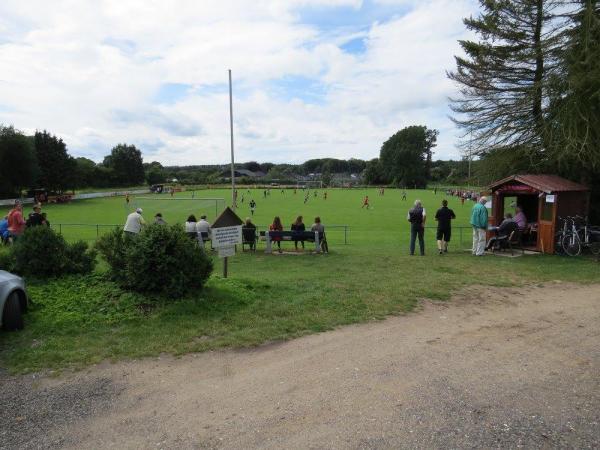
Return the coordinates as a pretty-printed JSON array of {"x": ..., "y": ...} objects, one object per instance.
[{"x": 76, "y": 321}]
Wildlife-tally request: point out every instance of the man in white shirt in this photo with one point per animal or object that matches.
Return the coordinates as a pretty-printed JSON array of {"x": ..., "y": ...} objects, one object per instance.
[
  {"x": 203, "y": 229},
  {"x": 134, "y": 222}
]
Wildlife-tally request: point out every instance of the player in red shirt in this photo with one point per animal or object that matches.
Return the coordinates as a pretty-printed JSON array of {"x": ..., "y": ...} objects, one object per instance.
[{"x": 365, "y": 202}]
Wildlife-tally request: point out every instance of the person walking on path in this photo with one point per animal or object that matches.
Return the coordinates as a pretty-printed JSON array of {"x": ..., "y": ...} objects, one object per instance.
[
  {"x": 444, "y": 217},
  {"x": 134, "y": 222},
  {"x": 479, "y": 222},
  {"x": 417, "y": 217}
]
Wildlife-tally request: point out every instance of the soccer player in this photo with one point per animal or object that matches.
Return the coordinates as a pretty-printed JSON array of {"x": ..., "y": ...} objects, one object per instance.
[
  {"x": 127, "y": 198},
  {"x": 325, "y": 195},
  {"x": 365, "y": 202},
  {"x": 444, "y": 216},
  {"x": 252, "y": 206},
  {"x": 404, "y": 195}
]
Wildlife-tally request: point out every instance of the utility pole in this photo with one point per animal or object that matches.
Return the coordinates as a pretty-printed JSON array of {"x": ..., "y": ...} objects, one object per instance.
[{"x": 233, "y": 199}]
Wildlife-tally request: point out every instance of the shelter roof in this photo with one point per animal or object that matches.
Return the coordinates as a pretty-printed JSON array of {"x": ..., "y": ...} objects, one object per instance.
[{"x": 543, "y": 183}]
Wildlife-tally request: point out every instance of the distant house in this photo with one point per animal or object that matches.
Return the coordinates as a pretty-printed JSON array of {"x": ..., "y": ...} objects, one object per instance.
[{"x": 239, "y": 173}]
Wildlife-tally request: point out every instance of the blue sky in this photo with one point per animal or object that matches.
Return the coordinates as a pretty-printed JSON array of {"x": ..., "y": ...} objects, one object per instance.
[{"x": 312, "y": 78}]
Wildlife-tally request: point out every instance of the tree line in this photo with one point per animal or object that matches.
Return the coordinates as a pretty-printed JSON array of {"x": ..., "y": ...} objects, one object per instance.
[
  {"x": 42, "y": 161},
  {"x": 529, "y": 98}
]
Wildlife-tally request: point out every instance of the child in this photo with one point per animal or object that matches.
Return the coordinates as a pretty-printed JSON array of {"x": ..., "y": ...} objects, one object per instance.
[{"x": 365, "y": 202}]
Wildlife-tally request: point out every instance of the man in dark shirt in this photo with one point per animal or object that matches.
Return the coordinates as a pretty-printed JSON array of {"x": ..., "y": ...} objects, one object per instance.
[
  {"x": 503, "y": 232},
  {"x": 35, "y": 218},
  {"x": 444, "y": 217}
]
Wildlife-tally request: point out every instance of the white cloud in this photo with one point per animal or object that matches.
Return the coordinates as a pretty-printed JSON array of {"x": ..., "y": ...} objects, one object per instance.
[{"x": 89, "y": 72}]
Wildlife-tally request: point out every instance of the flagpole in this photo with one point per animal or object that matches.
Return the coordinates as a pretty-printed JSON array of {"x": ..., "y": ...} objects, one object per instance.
[{"x": 233, "y": 199}]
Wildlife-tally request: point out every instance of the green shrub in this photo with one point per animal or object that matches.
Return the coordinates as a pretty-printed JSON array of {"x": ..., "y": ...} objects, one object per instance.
[
  {"x": 41, "y": 252},
  {"x": 161, "y": 259}
]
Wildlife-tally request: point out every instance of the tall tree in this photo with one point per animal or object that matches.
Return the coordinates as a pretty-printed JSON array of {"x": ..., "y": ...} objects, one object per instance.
[
  {"x": 406, "y": 156},
  {"x": 18, "y": 164},
  {"x": 574, "y": 124},
  {"x": 56, "y": 166},
  {"x": 503, "y": 96},
  {"x": 126, "y": 164}
]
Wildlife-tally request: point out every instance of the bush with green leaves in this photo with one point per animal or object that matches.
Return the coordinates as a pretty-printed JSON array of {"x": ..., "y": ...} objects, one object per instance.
[
  {"x": 41, "y": 252},
  {"x": 161, "y": 260}
]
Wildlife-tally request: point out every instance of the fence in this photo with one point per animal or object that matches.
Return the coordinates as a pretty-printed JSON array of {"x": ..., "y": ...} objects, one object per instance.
[
  {"x": 461, "y": 239},
  {"x": 91, "y": 232}
]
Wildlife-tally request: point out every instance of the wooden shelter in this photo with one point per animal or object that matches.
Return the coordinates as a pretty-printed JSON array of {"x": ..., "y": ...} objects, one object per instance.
[{"x": 543, "y": 199}]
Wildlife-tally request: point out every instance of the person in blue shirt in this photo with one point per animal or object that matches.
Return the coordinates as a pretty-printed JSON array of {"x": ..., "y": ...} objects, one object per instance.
[
  {"x": 4, "y": 230},
  {"x": 479, "y": 222}
]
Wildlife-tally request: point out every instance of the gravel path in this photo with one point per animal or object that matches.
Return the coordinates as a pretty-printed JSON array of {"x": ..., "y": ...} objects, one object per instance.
[{"x": 493, "y": 368}]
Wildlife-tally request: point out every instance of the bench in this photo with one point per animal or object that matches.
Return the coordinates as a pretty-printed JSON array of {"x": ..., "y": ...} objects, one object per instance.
[{"x": 301, "y": 236}]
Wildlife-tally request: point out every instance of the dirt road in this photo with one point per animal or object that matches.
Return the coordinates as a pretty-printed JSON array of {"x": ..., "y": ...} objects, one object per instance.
[{"x": 493, "y": 368}]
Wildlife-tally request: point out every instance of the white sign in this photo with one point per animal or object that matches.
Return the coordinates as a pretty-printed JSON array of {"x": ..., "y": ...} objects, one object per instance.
[
  {"x": 488, "y": 204},
  {"x": 549, "y": 198},
  {"x": 224, "y": 252},
  {"x": 226, "y": 236}
]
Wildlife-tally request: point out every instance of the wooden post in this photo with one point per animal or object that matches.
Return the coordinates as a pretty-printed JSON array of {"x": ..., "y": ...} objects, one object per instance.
[{"x": 225, "y": 267}]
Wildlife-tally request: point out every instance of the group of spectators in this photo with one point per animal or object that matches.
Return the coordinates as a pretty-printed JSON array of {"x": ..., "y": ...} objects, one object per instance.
[
  {"x": 417, "y": 217},
  {"x": 196, "y": 229},
  {"x": 299, "y": 226},
  {"x": 13, "y": 225}
]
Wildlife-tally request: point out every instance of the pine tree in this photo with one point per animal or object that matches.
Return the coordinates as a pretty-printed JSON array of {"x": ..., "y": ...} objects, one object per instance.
[{"x": 502, "y": 77}]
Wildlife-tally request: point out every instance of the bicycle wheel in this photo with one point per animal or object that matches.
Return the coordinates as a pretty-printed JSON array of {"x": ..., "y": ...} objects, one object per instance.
[
  {"x": 558, "y": 248},
  {"x": 571, "y": 244}
]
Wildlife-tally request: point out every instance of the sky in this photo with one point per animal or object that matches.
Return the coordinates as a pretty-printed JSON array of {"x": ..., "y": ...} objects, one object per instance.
[{"x": 311, "y": 78}]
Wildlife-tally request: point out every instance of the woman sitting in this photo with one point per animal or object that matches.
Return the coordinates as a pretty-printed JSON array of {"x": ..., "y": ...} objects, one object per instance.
[
  {"x": 298, "y": 226},
  {"x": 276, "y": 226},
  {"x": 190, "y": 227},
  {"x": 318, "y": 226}
]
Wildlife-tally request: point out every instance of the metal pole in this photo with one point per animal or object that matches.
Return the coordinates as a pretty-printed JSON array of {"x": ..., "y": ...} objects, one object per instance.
[
  {"x": 345, "y": 234},
  {"x": 233, "y": 202}
]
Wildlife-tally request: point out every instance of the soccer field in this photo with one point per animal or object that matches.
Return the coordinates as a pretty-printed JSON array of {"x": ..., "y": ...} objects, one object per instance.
[{"x": 384, "y": 224}]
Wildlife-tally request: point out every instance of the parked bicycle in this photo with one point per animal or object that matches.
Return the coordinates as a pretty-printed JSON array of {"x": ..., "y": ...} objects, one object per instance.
[{"x": 576, "y": 235}]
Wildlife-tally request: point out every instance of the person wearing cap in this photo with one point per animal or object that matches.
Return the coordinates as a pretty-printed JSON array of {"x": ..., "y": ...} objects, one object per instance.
[
  {"x": 479, "y": 222},
  {"x": 35, "y": 218},
  {"x": 16, "y": 223},
  {"x": 134, "y": 222}
]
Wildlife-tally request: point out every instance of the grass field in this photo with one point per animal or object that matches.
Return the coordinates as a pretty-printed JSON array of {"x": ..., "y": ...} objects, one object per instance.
[{"x": 77, "y": 321}]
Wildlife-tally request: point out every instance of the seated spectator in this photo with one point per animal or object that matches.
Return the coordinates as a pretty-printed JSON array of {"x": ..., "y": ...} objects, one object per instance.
[
  {"x": 35, "y": 218},
  {"x": 4, "y": 230},
  {"x": 203, "y": 229},
  {"x": 503, "y": 231},
  {"x": 249, "y": 234},
  {"x": 190, "y": 227},
  {"x": 318, "y": 226},
  {"x": 276, "y": 226},
  {"x": 299, "y": 226},
  {"x": 158, "y": 219},
  {"x": 520, "y": 218}
]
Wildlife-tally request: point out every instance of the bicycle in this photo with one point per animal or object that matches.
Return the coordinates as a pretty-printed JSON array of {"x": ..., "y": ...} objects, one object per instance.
[{"x": 580, "y": 237}]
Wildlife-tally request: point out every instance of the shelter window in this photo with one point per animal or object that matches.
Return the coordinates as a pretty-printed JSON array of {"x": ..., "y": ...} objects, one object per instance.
[{"x": 547, "y": 211}]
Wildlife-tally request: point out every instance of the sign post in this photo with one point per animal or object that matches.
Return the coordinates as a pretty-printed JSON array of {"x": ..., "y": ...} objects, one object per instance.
[{"x": 226, "y": 234}]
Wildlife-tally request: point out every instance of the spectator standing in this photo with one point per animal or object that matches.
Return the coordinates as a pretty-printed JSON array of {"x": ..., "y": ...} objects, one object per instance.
[
  {"x": 4, "y": 230},
  {"x": 298, "y": 226},
  {"x": 319, "y": 228},
  {"x": 45, "y": 220},
  {"x": 479, "y": 222},
  {"x": 134, "y": 222},
  {"x": 16, "y": 223},
  {"x": 444, "y": 217},
  {"x": 417, "y": 217},
  {"x": 191, "y": 228},
  {"x": 35, "y": 218},
  {"x": 276, "y": 226}
]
